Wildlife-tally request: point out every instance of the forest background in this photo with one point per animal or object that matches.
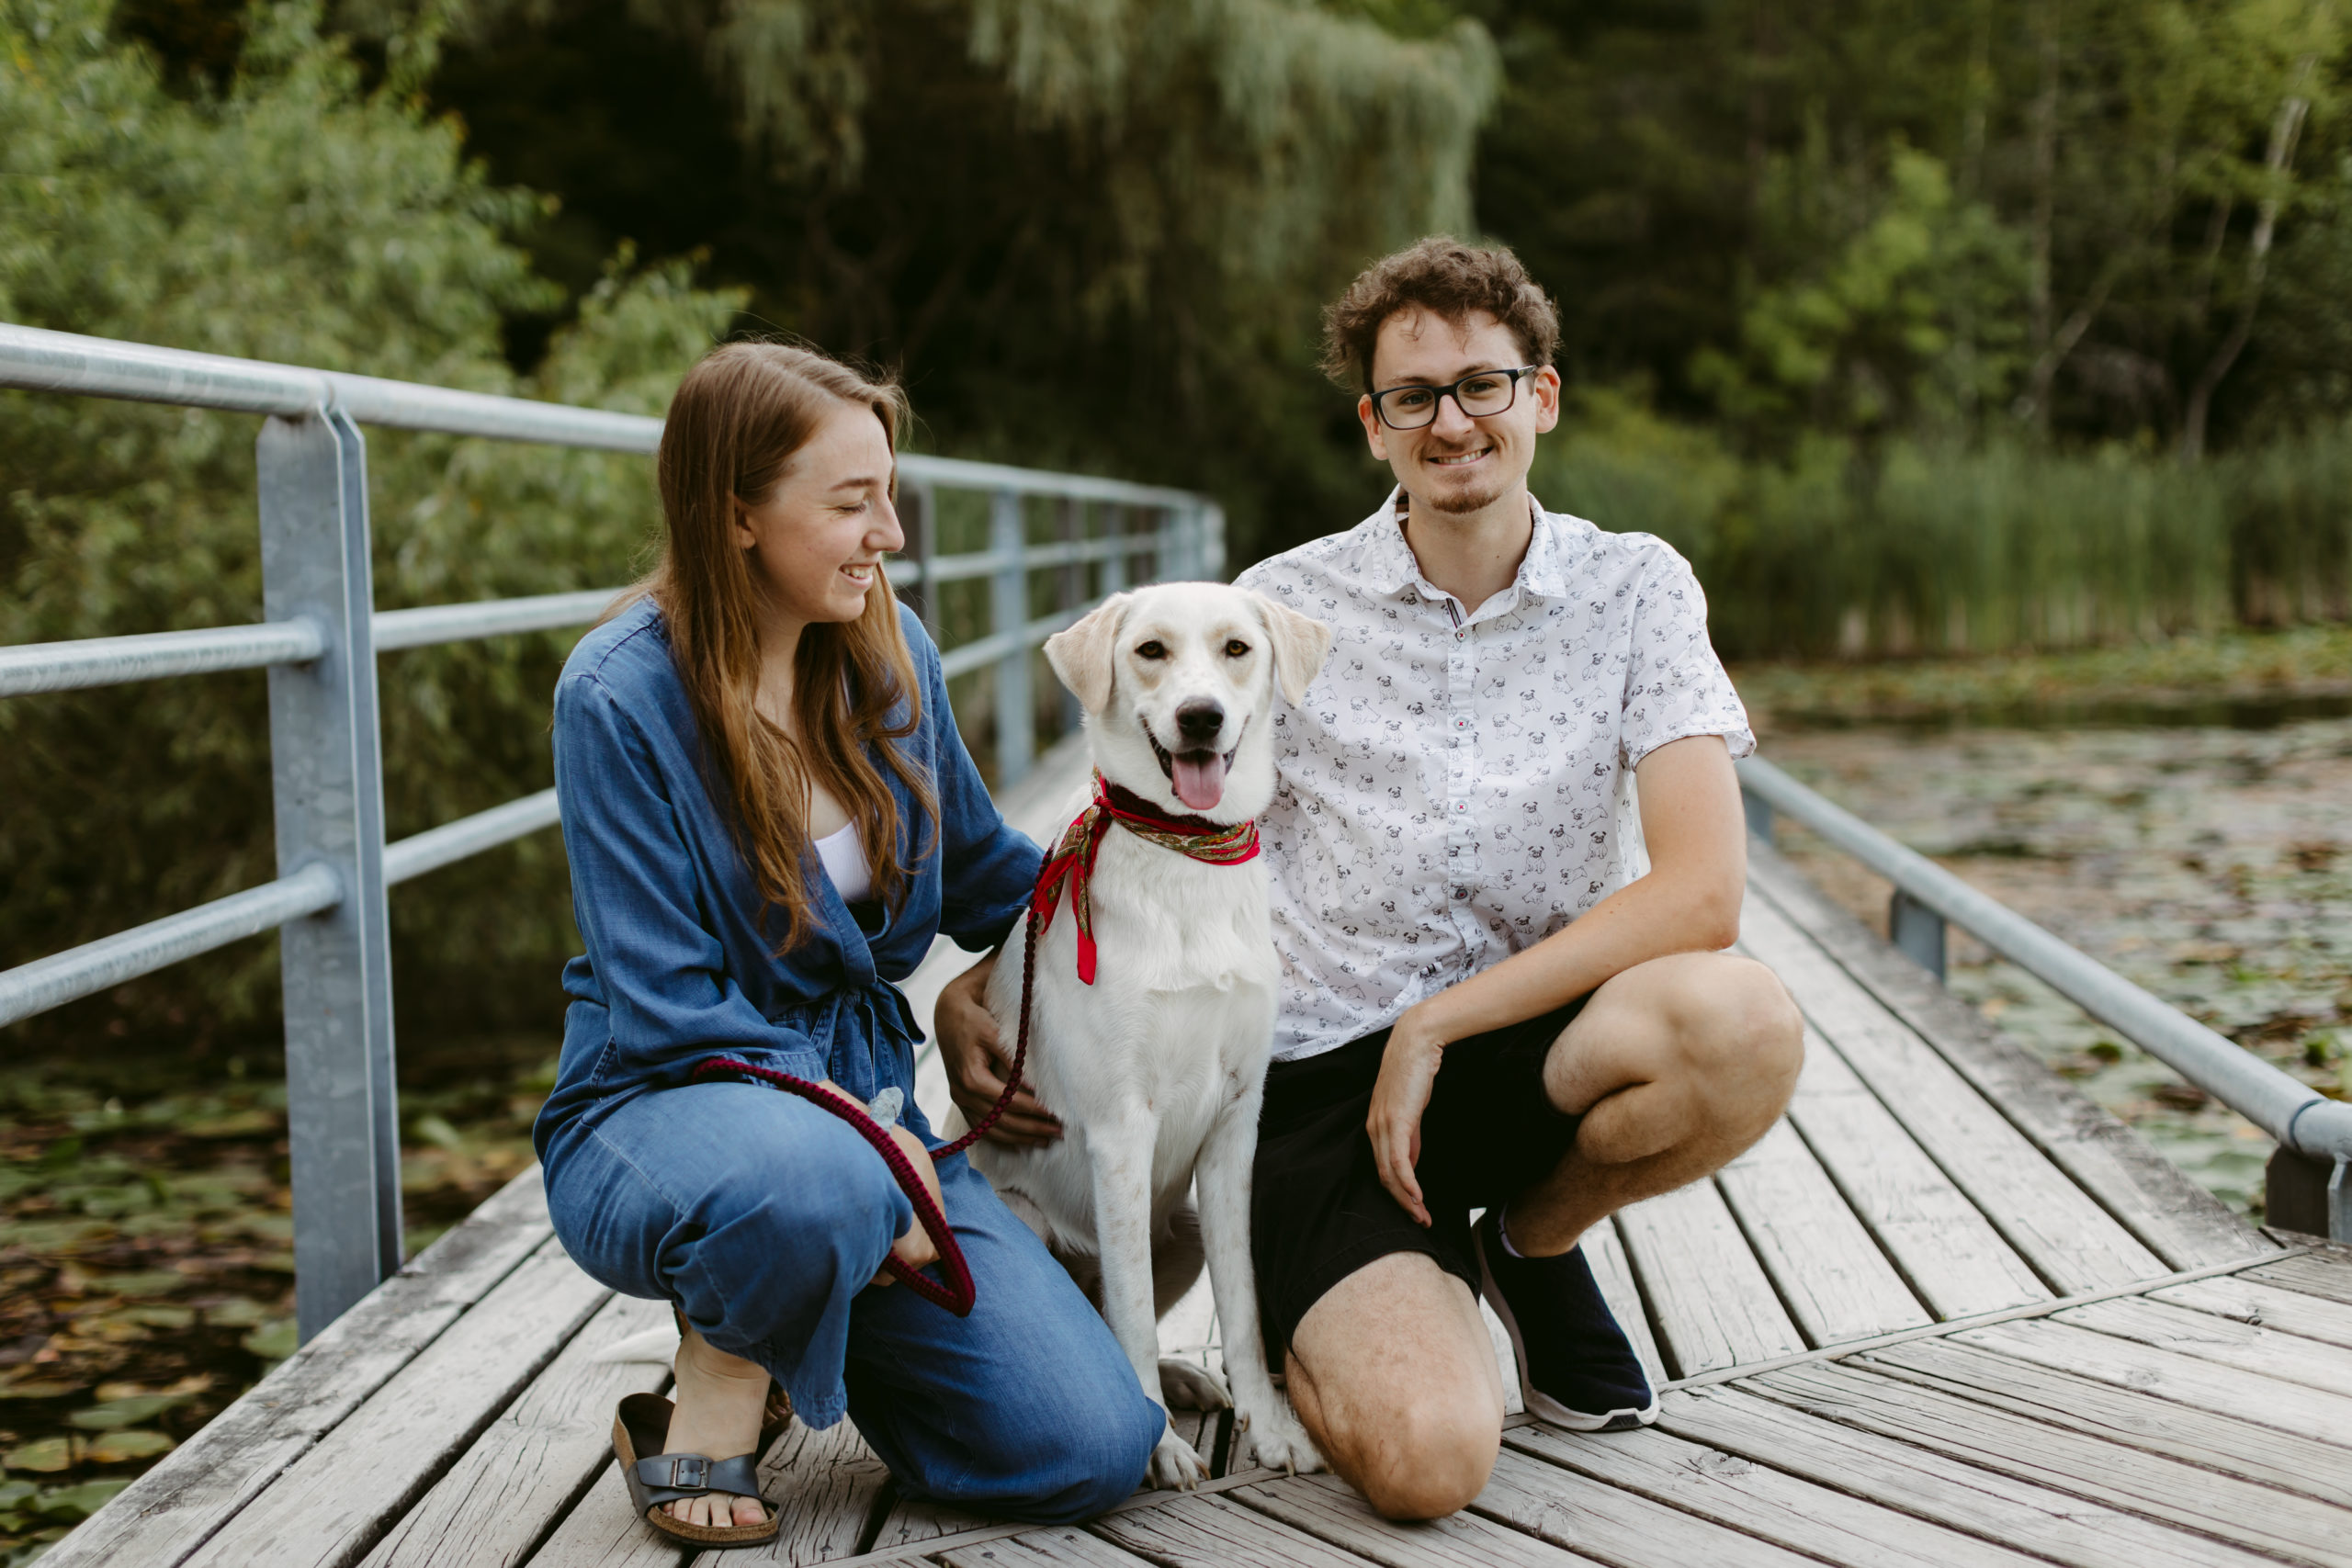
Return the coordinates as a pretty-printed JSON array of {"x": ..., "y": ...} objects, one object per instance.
[{"x": 1918, "y": 327}]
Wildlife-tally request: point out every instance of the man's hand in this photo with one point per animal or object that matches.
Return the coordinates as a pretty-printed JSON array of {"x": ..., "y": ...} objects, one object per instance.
[
  {"x": 978, "y": 1059},
  {"x": 1409, "y": 1068},
  {"x": 914, "y": 1247}
]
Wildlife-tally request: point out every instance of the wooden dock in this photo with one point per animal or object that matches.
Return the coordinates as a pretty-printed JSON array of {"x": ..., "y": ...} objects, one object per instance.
[{"x": 1947, "y": 1314}]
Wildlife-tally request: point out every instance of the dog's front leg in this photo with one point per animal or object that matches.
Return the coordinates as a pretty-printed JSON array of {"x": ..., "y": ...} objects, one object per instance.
[
  {"x": 1120, "y": 1153},
  {"x": 1223, "y": 1178}
]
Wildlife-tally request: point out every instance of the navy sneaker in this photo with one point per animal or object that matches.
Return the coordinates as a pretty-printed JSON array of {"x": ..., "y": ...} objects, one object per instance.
[{"x": 1576, "y": 1369}]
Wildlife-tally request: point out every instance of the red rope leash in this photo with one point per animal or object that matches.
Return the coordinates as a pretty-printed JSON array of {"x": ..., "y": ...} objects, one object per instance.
[{"x": 1073, "y": 861}]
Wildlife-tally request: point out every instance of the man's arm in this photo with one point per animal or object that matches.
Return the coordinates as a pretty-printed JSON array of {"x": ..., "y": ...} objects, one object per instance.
[{"x": 1688, "y": 902}]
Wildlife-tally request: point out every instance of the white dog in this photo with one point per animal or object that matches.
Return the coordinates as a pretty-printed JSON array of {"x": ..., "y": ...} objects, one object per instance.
[{"x": 1157, "y": 1068}]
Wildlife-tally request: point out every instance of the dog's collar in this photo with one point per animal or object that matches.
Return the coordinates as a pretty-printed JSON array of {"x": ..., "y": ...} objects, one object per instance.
[{"x": 1072, "y": 862}]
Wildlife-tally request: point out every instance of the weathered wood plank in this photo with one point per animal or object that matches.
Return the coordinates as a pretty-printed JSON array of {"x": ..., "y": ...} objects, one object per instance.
[
  {"x": 2121, "y": 1414},
  {"x": 2180, "y": 1221},
  {"x": 1328, "y": 1510},
  {"x": 604, "y": 1531},
  {"x": 1605, "y": 1253},
  {"x": 1832, "y": 1277},
  {"x": 506, "y": 1492},
  {"x": 2167, "y": 1374},
  {"x": 1709, "y": 1297},
  {"x": 332, "y": 1505},
  {"x": 1060, "y": 1546},
  {"x": 826, "y": 1486},
  {"x": 2324, "y": 1274},
  {"x": 2272, "y": 1306},
  {"x": 2250, "y": 1347},
  {"x": 2160, "y": 1487},
  {"x": 1966, "y": 1498},
  {"x": 1949, "y": 1253},
  {"x": 911, "y": 1520},
  {"x": 1781, "y": 1509},
  {"x": 2071, "y": 1241},
  {"x": 170, "y": 1511},
  {"x": 1210, "y": 1532},
  {"x": 1945, "y": 1250},
  {"x": 1623, "y": 1528}
]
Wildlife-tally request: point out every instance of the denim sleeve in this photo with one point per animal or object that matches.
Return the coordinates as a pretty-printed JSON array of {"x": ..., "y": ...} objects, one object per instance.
[
  {"x": 661, "y": 971},
  {"x": 989, "y": 867}
]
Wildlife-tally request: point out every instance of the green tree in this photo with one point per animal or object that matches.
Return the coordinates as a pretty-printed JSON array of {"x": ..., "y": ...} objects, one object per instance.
[{"x": 293, "y": 215}]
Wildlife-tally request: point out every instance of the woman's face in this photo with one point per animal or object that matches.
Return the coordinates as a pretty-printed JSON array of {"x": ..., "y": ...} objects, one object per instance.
[{"x": 819, "y": 538}]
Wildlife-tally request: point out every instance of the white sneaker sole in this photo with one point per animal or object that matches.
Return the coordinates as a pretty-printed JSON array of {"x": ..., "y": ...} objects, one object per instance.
[{"x": 1541, "y": 1405}]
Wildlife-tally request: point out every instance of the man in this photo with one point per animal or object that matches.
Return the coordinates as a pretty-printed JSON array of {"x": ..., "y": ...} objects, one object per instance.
[{"x": 1493, "y": 998}]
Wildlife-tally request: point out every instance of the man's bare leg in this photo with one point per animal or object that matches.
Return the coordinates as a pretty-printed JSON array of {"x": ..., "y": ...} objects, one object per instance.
[
  {"x": 1676, "y": 1066},
  {"x": 1396, "y": 1379}
]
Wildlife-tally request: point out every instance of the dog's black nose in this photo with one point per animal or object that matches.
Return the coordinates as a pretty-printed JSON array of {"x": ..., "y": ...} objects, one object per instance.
[{"x": 1199, "y": 722}]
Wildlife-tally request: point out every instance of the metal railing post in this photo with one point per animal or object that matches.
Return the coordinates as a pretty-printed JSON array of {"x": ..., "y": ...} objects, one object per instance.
[
  {"x": 1759, "y": 814},
  {"x": 919, "y": 518},
  {"x": 1917, "y": 931},
  {"x": 1069, "y": 590},
  {"x": 1168, "y": 553},
  {"x": 1017, "y": 739},
  {"x": 1213, "y": 540},
  {"x": 343, "y": 1121},
  {"x": 1116, "y": 524}
]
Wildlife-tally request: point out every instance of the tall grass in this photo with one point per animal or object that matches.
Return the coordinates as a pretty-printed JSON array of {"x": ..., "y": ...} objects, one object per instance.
[{"x": 1911, "y": 547}]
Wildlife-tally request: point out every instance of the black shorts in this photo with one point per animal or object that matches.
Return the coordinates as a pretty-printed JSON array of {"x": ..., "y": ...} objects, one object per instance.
[{"x": 1318, "y": 1211}]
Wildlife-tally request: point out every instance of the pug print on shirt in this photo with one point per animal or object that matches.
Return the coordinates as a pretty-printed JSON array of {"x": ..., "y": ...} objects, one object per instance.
[{"x": 1455, "y": 786}]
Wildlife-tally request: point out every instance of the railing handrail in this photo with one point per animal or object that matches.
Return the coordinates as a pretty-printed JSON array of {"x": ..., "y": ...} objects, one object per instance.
[
  {"x": 37, "y": 360},
  {"x": 2297, "y": 1115},
  {"x": 320, "y": 637}
]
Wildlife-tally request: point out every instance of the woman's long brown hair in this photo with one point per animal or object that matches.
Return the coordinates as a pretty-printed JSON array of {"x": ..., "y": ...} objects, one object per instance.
[{"x": 733, "y": 427}]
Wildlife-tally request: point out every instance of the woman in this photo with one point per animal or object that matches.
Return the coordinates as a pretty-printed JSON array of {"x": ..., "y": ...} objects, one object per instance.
[{"x": 769, "y": 816}]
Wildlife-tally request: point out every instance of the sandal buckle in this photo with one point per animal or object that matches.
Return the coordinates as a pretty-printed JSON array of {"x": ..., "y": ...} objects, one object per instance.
[{"x": 690, "y": 1470}]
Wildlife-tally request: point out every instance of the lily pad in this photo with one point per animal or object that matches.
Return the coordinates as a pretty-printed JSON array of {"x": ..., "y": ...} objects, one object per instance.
[
  {"x": 45, "y": 1457},
  {"x": 274, "y": 1341},
  {"x": 119, "y": 1413},
  {"x": 70, "y": 1505},
  {"x": 116, "y": 1448},
  {"x": 237, "y": 1312},
  {"x": 37, "y": 1388},
  {"x": 154, "y": 1282}
]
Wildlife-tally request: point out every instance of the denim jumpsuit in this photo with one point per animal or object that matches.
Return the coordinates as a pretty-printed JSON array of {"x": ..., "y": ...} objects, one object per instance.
[{"x": 759, "y": 1215}]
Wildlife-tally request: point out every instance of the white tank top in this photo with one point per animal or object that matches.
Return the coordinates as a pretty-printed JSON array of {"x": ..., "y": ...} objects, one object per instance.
[{"x": 844, "y": 855}]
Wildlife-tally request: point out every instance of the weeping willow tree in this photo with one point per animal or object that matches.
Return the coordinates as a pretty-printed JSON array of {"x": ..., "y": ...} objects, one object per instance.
[{"x": 1093, "y": 233}]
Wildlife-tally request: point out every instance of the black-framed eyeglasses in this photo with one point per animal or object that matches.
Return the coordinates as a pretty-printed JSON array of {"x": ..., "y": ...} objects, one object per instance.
[{"x": 1478, "y": 394}]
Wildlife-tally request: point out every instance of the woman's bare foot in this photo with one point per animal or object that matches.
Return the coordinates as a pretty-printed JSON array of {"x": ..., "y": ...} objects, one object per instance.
[{"x": 720, "y": 1398}]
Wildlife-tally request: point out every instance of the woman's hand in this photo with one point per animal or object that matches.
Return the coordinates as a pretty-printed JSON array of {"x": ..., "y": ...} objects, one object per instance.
[
  {"x": 974, "y": 1053},
  {"x": 1408, "y": 1075},
  {"x": 914, "y": 1247}
]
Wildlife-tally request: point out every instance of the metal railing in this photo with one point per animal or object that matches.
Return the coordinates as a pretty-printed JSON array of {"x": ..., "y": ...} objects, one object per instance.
[
  {"x": 2312, "y": 1130},
  {"x": 319, "y": 638}
]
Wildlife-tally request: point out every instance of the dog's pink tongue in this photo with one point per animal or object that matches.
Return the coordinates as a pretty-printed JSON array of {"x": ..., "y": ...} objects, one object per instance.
[{"x": 1199, "y": 777}]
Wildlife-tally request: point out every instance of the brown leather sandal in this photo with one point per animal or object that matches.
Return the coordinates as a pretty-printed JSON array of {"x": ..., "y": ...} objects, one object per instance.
[{"x": 657, "y": 1479}]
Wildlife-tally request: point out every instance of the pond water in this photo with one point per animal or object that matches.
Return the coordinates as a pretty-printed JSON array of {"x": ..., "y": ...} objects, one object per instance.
[{"x": 2203, "y": 851}]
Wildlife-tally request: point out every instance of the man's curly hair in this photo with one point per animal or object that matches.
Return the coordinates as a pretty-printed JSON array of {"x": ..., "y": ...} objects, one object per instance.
[{"x": 1447, "y": 278}]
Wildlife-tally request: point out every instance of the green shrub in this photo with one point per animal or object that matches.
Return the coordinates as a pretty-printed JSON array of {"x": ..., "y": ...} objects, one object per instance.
[{"x": 295, "y": 216}]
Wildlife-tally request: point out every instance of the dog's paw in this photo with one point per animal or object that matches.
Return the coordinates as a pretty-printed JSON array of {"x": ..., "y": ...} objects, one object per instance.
[
  {"x": 1184, "y": 1387},
  {"x": 1277, "y": 1440},
  {"x": 1175, "y": 1465}
]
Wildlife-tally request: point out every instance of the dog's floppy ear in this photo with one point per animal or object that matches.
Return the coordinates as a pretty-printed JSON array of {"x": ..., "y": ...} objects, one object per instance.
[
  {"x": 1301, "y": 644},
  {"x": 1080, "y": 655}
]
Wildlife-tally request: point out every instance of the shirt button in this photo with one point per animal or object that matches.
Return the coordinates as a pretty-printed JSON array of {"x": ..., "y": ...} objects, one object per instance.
[
  {"x": 1461, "y": 724},
  {"x": 1460, "y": 635},
  {"x": 1461, "y": 806}
]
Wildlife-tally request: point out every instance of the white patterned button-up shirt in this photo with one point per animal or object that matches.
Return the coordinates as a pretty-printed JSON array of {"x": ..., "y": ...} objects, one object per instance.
[{"x": 1455, "y": 786}]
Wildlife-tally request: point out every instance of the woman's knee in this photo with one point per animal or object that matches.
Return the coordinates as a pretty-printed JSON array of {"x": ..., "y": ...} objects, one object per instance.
[{"x": 1086, "y": 1457}]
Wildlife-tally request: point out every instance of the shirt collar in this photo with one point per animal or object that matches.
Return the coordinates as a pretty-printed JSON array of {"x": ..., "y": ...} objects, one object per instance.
[{"x": 1384, "y": 561}]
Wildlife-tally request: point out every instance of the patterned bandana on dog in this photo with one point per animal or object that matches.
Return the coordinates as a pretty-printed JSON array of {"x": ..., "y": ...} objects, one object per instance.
[{"x": 1073, "y": 861}]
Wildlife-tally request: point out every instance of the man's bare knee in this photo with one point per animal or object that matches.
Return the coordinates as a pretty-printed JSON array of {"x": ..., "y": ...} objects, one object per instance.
[
  {"x": 1434, "y": 1461},
  {"x": 1742, "y": 1036}
]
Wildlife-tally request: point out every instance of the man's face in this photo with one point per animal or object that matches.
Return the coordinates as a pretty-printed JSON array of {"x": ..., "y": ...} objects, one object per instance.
[{"x": 1456, "y": 464}]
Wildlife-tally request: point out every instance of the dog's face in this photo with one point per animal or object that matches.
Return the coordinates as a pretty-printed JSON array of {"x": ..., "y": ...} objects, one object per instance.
[{"x": 1179, "y": 682}]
